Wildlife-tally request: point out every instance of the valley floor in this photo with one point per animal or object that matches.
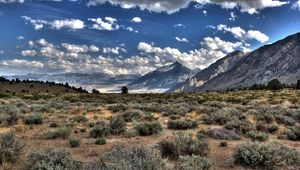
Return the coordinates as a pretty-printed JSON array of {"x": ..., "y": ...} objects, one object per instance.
[{"x": 45, "y": 121}]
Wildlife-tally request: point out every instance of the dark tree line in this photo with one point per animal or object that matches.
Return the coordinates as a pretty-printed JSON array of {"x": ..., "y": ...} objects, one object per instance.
[
  {"x": 274, "y": 84},
  {"x": 80, "y": 89}
]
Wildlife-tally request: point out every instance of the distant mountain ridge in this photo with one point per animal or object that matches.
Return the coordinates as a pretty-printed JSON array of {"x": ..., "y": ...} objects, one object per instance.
[
  {"x": 163, "y": 78},
  {"x": 279, "y": 60},
  {"x": 220, "y": 66},
  {"x": 101, "y": 81}
]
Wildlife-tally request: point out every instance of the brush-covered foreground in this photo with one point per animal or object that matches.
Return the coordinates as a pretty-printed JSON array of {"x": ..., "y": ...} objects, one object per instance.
[{"x": 228, "y": 130}]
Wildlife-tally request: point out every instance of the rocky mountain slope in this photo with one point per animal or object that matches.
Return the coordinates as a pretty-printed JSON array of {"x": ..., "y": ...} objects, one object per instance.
[
  {"x": 279, "y": 60},
  {"x": 220, "y": 66},
  {"x": 162, "y": 79}
]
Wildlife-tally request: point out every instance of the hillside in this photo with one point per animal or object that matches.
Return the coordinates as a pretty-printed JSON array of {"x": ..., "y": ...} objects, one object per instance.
[
  {"x": 18, "y": 86},
  {"x": 280, "y": 60}
]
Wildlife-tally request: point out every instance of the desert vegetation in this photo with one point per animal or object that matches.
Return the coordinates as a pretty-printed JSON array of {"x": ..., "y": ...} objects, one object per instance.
[{"x": 248, "y": 129}]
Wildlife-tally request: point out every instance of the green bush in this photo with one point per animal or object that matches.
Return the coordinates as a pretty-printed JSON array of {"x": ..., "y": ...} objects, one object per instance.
[
  {"x": 222, "y": 133},
  {"x": 9, "y": 114},
  {"x": 10, "y": 148},
  {"x": 148, "y": 128},
  {"x": 272, "y": 128},
  {"x": 168, "y": 149},
  {"x": 223, "y": 144},
  {"x": 201, "y": 134},
  {"x": 99, "y": 132},
  {"x": 182, "y": 124},
  {"x": 133, "y": 158},
  {"x": 117, "y": 125},
  {"x": 80, "y": 119},
  {"x": 183, "y": 144},
  {"x": 117, "y": 108},
  {"x": 188, "y": 145},
  {"x": 130, "y": 116},
  {"x": 34, "y": 119},
  {"x": 62, "y": 133},
  {"x": 266, "y": 155},
  {"x": 239, "y": 126},
  {"x": 74, "y": 142},
  {"x": 52, "y": 160},
  {"x": 149, "y": 117},
  {"x": 257, "y": 136},
  {"x": 53, "y": 125},
  {"x": 194, "y": 163},
  {"x": 294, "y": 134},
  {"x": 100, "y": 141}
]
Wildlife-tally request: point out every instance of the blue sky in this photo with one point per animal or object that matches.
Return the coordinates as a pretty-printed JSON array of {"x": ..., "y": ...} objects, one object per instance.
[{"x": 135, "y": 36}]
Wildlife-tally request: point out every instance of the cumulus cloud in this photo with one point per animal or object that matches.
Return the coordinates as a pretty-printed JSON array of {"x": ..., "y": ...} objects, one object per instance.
[
  {"x": 116, "y": 50},
  {"x": 100, "y": 24},
  {"x": 136, "y": 19},
  {"x": 79, "y": 48},
  {"x": 73, "y": 24},
  {"x": 204, "y": 12},
  {"x": 171, "y": 6},
  {"x": 249, "y": 6},
  {"x": 181, "y": 39},
  {"x": 212, "y": 50},
  {"x": 72, "y": 58},
  {"x": 242, "y": 34},
  {"x": 28, "y": 53}
]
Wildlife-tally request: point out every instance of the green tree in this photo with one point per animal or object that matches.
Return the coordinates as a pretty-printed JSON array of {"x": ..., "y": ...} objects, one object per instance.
[
  {"x": 298, "y": 85},
  {"x": 274, "y": 84},
  {"x": 124, "y": 90}
]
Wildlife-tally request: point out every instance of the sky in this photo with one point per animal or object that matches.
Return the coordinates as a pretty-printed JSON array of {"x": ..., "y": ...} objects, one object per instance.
[{"x": 124, "y": 37}]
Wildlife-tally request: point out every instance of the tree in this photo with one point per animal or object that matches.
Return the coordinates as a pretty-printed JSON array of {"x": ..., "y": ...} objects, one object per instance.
[
  {"x": 298, "y": 85},
  {"x": 94, "y": 91},
  {"x": 274, "y": 84},
  {"x": 124, "y": 90}
]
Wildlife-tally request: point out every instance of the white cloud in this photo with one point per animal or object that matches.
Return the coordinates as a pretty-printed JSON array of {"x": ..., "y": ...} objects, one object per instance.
[
  {"x": 71, "y": 58},
  {"x": 28, "y": 53},
  {"x": 115, "y": 50},
  {"x": 232, "y": 16},
  {"x": 249, "y": 6},
  {"x": 296, "y": 5},
  {"x": 110, "y": 19},
  {"x": 20, "y": 38},
  {"x": 242, "y": 34},
  {"x": 31, "y": 43},
  {"x": 16, "y": 63},
  {"x": 179, "y": 26},
  {"x": 100, "y": 24},
  {"x": 79, "y": 48},
  {"x": 11, "y": 1},
  {"x": 171, "y": 6},
  {"x": 136, "y": 19},
  {"x": 1, "y": 52},
  {"x": 73, "y": 24},
  {"x": 181, "y": 39},
  {"x": 204, "y": 12}
]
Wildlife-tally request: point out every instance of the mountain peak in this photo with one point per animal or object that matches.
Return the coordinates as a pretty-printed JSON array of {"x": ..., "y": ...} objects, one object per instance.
[{"x": 162, "y": 78}]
